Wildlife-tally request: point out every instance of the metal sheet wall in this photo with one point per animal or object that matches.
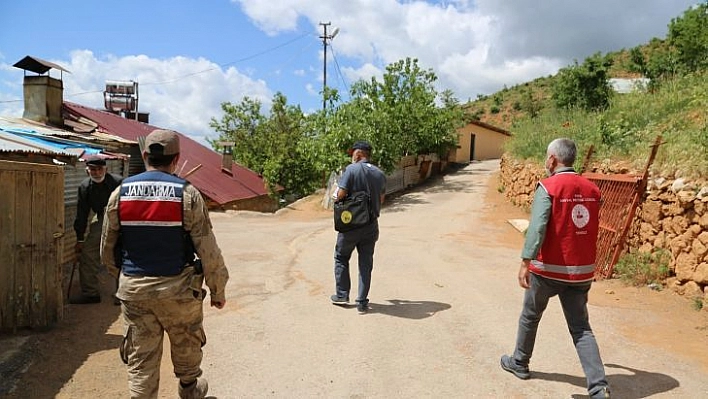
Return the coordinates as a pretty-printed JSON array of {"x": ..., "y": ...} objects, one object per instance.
[
  {"x": 136, "y": 162},
  {"x": 394, "y": 181}
]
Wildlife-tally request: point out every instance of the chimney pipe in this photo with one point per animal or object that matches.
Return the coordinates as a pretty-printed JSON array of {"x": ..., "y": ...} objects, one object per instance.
[
  {"x": 43, "y": 99},
  {"x": 227, "y": 159},
  {"x": 43, "y": 94}
]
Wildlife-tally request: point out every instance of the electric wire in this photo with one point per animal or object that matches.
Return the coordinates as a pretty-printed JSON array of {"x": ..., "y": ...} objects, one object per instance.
[
  {"x": 252, "y": 56},
  {"x": 339, "y": 70}
]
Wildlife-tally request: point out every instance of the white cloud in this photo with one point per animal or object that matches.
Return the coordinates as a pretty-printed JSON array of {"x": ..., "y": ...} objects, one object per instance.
[
  {"x": 365, "y": 71},
  {"x": 473, "y": 46},
  {"x": 311, "y": 90},
  {"x": 179, "y": 93}
]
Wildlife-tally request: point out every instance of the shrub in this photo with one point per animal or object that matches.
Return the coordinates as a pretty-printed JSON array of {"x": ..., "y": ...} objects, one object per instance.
[{"x": 641, "y": 268}]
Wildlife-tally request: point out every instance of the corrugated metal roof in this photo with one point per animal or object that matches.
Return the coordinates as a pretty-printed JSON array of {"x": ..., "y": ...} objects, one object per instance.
[
  {"x": 209, "y": 179},
  {"x": 30, "y": 126},
  {"x": 25, "y": 137}
]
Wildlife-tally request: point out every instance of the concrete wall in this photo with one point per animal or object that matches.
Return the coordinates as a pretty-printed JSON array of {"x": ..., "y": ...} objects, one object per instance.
[
  {"x": 264, "y": 203},
  {"x": 488, "y": 144}
]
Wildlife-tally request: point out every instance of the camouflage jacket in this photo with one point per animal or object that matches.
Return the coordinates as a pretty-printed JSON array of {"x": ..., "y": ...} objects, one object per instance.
[{"x": 196, "y": 221}]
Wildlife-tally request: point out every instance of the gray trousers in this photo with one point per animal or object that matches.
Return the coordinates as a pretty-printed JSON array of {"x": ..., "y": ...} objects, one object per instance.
[
  {"x": 90, "y": 259},
  {"x": 573, "y": 298},
  {"x": 364, "y": 240}
]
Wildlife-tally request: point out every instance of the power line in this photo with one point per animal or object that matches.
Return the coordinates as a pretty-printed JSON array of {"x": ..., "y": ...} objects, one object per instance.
[
  {"x": 299, "y": 53},
  {"x": 252, "y": 56},
  {"x": 232, "y": 62},
  {"x": 339, "y": 71}
]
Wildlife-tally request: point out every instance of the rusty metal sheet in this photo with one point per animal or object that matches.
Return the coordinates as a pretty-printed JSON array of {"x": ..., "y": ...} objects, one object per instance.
[
  {"x": 623, "y": 178},
  {"x": 621, "y": 194},
  {"x": 619, "y": 202}
]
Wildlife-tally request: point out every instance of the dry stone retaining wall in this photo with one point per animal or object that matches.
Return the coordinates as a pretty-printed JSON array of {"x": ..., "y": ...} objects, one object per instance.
[{"x": 673, "y": 216}]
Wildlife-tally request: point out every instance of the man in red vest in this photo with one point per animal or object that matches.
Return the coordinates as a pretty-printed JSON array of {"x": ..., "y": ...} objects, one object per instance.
[{"x": 558, "y": 258}]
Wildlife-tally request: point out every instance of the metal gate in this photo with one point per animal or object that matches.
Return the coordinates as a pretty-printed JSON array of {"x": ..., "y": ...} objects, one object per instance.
[{"x": 621, "y": 194}]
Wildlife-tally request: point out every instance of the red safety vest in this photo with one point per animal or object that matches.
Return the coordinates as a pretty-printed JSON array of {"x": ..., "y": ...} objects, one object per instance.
[{"x": 570, "y": 244}]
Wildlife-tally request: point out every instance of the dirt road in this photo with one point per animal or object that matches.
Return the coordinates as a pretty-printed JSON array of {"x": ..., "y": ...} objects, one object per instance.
[{"x": 444, "y": 307}]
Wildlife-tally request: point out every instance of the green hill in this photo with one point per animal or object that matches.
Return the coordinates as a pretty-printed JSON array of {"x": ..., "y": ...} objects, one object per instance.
[{"x": 675, "y": 105}]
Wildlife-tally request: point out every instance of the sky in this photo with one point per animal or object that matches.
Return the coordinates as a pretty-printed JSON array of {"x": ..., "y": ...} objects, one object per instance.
[{"x": 190, "y": 56}]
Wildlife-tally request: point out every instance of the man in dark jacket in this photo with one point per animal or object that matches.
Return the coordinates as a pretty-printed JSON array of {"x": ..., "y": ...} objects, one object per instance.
[
  {"x": 360, "y": 175},
  {"x": 93, "y": 196}
]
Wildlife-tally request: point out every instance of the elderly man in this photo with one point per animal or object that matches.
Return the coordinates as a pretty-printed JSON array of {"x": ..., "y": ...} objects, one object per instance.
[
  {"x": 92, "y": 196},
  {"x": 558, "y": 258}
]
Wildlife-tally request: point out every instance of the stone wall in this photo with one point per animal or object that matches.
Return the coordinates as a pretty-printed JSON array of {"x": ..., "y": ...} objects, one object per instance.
[{"x": 673, "y": 216}]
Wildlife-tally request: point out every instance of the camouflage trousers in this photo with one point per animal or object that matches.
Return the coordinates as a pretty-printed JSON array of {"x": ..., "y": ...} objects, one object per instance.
[{"x": 145, "y": 324}]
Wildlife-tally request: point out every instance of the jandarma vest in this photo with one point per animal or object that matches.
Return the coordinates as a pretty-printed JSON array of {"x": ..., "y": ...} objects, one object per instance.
[
  {"x": 153, "y": 239},
  {"x": 570, "y": 244}
]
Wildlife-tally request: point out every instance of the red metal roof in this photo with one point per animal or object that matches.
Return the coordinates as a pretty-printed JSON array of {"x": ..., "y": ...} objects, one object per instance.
[{"x": 209, "y": 179}]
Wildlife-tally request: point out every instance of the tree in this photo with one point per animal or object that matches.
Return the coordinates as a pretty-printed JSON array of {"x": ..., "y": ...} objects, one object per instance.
[
  {"x": 584, "y": 86},
  {"x": 403, "y": 114},
  {"x": 269, "y": 145},
  {"x": 242, "y": 124},
  {"x": 656, "y": 61},
  {"x": 530, "y": 104},
  {"x": 689, "y": 36},
  {"x": 400, "y": 114},
  {"x": 287, "y": 165}
]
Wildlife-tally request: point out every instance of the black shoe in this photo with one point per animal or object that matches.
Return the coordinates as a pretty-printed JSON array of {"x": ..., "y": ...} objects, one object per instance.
[
  {"x": 338, "y": 300},
  {"x": 84, "y": 300},
  {"x": 362, "y": 307},
  {"x": 603, "y": 393},
  {"x": 508, "y": 364}
]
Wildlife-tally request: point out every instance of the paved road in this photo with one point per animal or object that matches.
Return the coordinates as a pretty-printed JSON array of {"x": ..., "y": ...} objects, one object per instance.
[{"x": 444, "y": 307}]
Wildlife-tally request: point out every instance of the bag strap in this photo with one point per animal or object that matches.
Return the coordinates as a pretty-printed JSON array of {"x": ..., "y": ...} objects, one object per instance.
[{"x": 368, "y": 186}]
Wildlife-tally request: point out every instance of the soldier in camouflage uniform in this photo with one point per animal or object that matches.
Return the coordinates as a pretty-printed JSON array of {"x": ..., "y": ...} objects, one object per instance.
[{"x": 155, "y": 224}]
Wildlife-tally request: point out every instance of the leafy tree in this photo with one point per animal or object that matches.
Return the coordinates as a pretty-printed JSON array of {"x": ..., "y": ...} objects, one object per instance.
[
  {"x": 400, "y": 115},
  {"x": 242, "y": 124},
  {"x": 689, "y": 36},
  {"x": 530, "y": 104},
  {"x": 269, "y": 145},
  {"x": 584, "y": 86},
  {"x": 656, "y": 61},
  {"x": 287, "y": 164}
]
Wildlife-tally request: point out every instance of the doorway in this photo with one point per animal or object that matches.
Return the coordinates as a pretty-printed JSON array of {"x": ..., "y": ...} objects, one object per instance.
[{"x": 472, "y": 137}]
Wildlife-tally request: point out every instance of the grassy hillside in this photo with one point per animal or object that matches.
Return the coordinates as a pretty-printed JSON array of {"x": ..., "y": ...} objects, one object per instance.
[{"x": 676, "y": 109}]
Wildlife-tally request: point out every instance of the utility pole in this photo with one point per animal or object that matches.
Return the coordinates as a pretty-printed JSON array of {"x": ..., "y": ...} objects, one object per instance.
[{"x": 324, "y": 38}]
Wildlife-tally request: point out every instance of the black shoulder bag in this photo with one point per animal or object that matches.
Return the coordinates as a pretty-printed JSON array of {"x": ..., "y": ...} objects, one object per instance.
[{"x": 355, "y": 210}]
